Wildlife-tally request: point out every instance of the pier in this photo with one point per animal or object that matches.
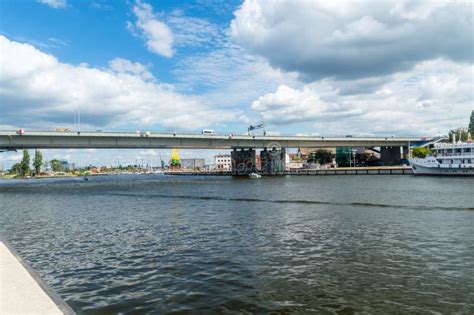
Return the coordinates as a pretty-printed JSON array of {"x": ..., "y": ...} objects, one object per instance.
[
  {"x": 393, "y": 170},
  {"x": 354, "y": 171},
  {"x": 22, "y": 291}
]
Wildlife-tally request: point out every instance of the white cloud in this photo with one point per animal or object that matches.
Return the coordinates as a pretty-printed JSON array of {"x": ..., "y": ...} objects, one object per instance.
[
  {"x": 56, "y": 4},
  {"x": 288, "y": 105},
  {"x": 120, "y": 65},
  {"x": 350, "y": 39},
  {"x": 431, "y": 99},
  {"x": 194, "y": 32},
  {"x": 39, "y": 91},
  {"x": 158, "y": 36},
  {"x": 230, "y": 77},
  {"x": 56, "y": 42},
  {"x": 370, "y": 67}
]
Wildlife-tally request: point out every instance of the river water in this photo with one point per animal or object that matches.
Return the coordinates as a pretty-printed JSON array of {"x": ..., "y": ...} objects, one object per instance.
[{"x": 309, "y": 244}]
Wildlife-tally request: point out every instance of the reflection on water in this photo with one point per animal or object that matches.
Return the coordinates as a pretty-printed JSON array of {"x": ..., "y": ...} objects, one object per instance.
[{"x": 156, "y": 244}]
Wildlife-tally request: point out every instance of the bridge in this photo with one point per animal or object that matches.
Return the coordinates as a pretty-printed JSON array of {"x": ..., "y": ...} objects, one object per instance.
[
  {"x": 10, "y": 140},
  {"x": 243, "y": 155}
]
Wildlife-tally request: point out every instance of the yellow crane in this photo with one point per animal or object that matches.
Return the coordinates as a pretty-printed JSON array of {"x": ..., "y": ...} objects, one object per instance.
[{"x": 175, "y": 161}]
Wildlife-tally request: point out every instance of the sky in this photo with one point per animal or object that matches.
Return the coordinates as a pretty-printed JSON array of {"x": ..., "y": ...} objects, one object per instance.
[{"x": 301, "y": 67}]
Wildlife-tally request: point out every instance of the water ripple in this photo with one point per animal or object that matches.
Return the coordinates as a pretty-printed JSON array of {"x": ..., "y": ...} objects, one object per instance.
[
  {"x": 283, "y": 201},
  {"x": 276, "y": 246}
]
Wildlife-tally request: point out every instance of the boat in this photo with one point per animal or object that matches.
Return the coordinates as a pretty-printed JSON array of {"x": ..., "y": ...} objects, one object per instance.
[
  {"x": 254, "y": 175},
  {"x": 448, "y": 159}
]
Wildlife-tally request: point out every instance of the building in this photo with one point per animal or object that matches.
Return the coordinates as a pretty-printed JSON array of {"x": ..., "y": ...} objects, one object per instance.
[
  {"x": 292, "y": 165},
  {"x": 307, "y": 152},
  {"x": 344, "y": 156},
  {"x": 194, "y": 164},
  {"x": 66, "y": 166},
  {"x": 297, "y": 160},
  {"x": 223, "y": 162}
]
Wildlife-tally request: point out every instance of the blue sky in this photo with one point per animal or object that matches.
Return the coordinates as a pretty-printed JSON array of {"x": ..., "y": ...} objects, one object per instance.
[
  {"x": 365, "y": 68},
  {"x": 96, "y": 31}
]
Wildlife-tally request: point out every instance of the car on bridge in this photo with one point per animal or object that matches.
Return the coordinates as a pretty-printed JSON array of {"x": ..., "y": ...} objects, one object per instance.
[{"x": 62, "y": 130}]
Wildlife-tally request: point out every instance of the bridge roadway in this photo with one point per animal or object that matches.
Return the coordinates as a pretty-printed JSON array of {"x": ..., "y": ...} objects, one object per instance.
[{"x": 10, "y": 140}]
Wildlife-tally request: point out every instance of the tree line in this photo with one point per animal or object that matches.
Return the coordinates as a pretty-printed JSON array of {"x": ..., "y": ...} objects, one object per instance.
[{"x": 23, "y": 168}]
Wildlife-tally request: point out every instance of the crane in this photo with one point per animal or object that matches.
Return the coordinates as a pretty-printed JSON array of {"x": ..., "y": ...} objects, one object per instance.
[
  {"x": 175, "y": 161},
  {"x": 162, "y": 162}
]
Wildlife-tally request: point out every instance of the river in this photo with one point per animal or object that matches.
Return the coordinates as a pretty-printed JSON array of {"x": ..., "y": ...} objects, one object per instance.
[{"x": 309, "y": 244}]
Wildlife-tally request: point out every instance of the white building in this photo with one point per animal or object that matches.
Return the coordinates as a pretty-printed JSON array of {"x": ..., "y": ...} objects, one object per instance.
[{"x": 223, "y": 162}]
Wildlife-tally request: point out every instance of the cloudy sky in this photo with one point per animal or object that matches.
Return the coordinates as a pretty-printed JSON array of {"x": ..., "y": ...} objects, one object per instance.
[{"x": 301, "y": 67}]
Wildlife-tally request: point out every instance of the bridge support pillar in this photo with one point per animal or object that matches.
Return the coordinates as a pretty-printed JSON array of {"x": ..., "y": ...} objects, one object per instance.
[
  {"x": 405, "y": 153},
  {"x": 272, "y": 161},
  {"x": 243, "y": 162},
  {"x": 390, "y": 156}
]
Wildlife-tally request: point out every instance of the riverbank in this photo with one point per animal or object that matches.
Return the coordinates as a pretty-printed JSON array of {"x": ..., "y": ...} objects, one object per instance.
[
  {"x": 62, "y": 176},
  {"x": 22, "y": 290},
  {"x": 382, "y": 170}
]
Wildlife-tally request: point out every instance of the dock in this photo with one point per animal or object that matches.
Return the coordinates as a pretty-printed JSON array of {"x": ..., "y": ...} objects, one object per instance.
[
  {"x": 382, "y": 170},
  {"x": 22, "y": 291}
]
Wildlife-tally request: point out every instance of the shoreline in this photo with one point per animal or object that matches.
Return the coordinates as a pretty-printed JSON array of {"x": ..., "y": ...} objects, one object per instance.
[{"x": 367, "y": 170}]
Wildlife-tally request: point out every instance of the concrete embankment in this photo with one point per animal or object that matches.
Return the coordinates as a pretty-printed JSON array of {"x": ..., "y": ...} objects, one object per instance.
[
  {"x": 390, "y": 170},
  {"x": 22, "y": 291}
]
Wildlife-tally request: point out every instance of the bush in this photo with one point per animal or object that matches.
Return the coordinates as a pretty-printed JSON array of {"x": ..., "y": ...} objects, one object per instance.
[
  {"x": 320, "y": 156},
  {"x": 421, "y": 152}
]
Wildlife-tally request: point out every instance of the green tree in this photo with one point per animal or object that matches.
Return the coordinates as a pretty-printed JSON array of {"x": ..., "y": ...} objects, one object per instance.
[
  {"x": 471, "y": 124},
  {"x": 320, "y": 156},
  {"x": 420, "y": 152},
  {"x": 25, "y": 163},
  {"x": 362, "y": 159},
  {"x": 461, "y": 134},
  {"x": 37, "y": 161},
  {"x": 16, "y": 169},
  {"x": 56, "y": 165}
]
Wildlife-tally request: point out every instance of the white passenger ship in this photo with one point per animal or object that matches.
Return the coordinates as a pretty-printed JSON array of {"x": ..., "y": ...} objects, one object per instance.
[{"x": 449, "y": 159}]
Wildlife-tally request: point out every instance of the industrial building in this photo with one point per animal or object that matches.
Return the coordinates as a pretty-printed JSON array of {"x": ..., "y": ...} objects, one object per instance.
[{"x": 194, "y": 164}]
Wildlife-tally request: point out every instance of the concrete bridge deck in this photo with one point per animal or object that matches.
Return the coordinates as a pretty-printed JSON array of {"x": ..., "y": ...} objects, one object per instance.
[
  {"x": 130, "y": 140},
  {"x": 22, "y": 291}
]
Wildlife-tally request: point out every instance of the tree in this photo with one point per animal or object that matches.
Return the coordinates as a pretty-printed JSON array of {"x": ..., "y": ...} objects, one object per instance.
[
  {"x": 461, "y": 134},
  {"x": 16, "y": 169},
  {"x": 25, "y": 163},
  {"x": 471, "y": 124},
  {"x": 37, "y": 162},
  {"x": 320, "y": 156},
  {"x": 56, "y": 165},
  {"x": 421, "y": 152},
  {"x": 362, "y": 159}
]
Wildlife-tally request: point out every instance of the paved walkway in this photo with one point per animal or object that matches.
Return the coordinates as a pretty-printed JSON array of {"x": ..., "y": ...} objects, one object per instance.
[{"x": 21, "y": 289}]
